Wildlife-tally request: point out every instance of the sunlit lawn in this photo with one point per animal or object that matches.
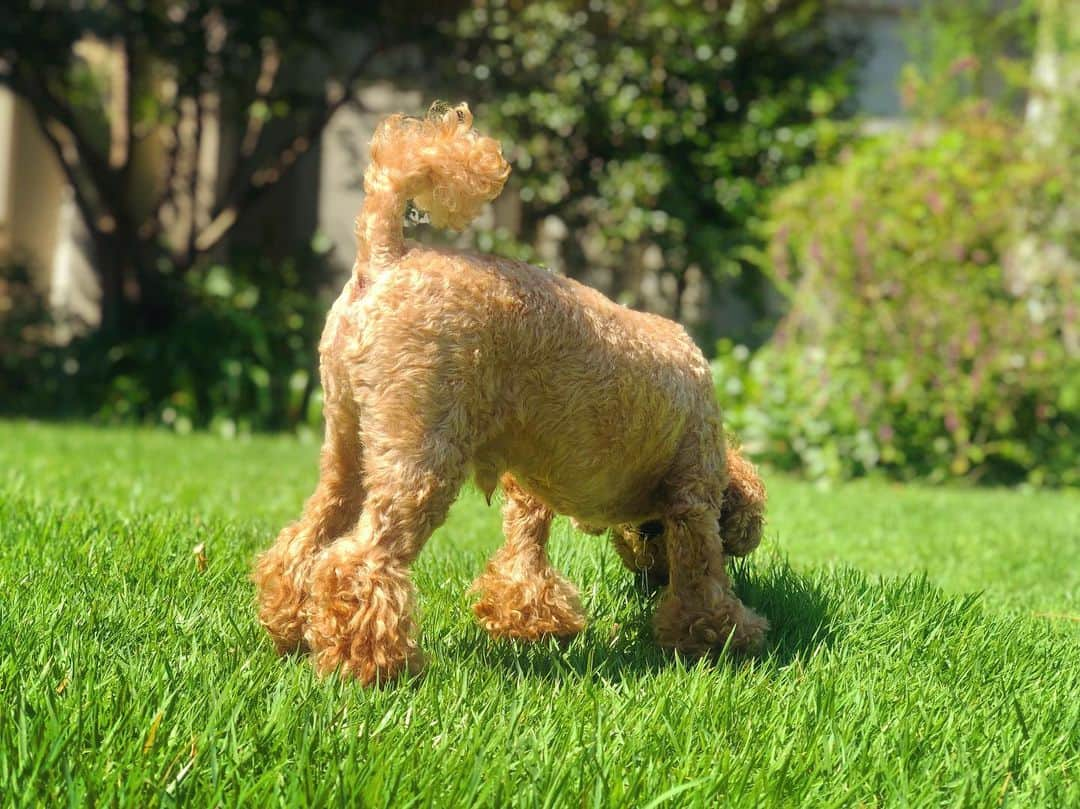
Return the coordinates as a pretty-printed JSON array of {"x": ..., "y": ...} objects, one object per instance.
[{"x": 925, "y": 651}]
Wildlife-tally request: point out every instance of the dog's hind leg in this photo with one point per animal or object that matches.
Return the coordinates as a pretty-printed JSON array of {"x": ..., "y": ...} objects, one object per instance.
[
  {"x": 521, "y": 594},
  {"x": 281, "y": 573},
  {"x": 699, "y": 610},
  {"x": 361, "y": 619}
]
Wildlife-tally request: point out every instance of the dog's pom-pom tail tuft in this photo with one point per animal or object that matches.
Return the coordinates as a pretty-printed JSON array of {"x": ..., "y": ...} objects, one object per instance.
[
  {"x": 440, "y": 162},
  {"x": 464, "y": 169}
]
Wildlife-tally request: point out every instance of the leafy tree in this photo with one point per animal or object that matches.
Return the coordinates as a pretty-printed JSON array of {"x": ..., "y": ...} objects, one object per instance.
[
  {"x": 649, "y": 133},
  {"x": 105, "y": 80}
]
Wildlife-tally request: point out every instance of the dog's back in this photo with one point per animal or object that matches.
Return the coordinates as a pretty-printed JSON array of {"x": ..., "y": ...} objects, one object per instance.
[{"x": 583, "y": 400}]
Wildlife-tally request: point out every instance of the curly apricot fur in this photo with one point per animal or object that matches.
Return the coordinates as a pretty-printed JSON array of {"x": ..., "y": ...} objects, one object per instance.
[
  {"x": 521, "y": 595},
  {"x": 361, "y": 617},
  {"x": 742, "y": 518},
  {"x": 436, "y": 364}
]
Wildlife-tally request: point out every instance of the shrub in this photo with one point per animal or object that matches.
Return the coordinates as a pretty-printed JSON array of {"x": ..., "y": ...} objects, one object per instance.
[
  {"x": 28, "y": 359},
  {"x": 926, "y": 336},
  {"x": 241, "y": 356}
]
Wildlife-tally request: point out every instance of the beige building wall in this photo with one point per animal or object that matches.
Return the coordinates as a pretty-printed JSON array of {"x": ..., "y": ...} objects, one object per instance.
[
  {"x": 39, "y": 222},
  {"x": 31, "y": 190}
]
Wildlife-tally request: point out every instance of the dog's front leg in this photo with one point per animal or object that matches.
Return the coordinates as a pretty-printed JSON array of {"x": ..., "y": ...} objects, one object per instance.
[
  {"x": 281, "y": 573},
  {"x": 699, "y": 611}
]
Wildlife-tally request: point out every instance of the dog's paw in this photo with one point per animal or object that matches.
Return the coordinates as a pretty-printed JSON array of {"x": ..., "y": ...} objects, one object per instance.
[
  {"x": 696, "y": 631},
  {"x": 281, "y": 578},
  {"x": 360, "y": 619},
  {"x": 528, "y": 609}
]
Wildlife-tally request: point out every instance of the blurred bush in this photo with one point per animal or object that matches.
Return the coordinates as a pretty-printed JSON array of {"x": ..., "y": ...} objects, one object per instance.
[
  {"x": 974, "y": 49},
  {"x": 934, "y": 322},
  {"x": 646, "y": 137},
  {"x": 26, "y": 362},
  {"x": 241, "y": 356}
]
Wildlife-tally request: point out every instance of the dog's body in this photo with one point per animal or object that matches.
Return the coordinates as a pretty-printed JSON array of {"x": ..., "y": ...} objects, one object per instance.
[
  {"x": 585, "y": 405},
  {"x": 436, "y": 365}
]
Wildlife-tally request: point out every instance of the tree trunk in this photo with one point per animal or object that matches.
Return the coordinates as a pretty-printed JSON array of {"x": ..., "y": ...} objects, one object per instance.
[
  {"x": 136, "y": 298},
  {"x": 111, "y": 275}
]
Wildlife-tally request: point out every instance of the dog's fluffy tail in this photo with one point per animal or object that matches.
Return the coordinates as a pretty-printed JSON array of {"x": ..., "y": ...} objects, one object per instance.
[{"x": 439, "y": 162}]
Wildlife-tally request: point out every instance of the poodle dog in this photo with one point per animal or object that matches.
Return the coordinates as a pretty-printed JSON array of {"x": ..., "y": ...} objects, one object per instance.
[{"x": 436, "y": 365}]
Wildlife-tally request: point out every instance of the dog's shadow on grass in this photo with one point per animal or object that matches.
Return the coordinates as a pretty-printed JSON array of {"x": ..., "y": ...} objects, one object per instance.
[
  {"x": 797, "y": 606},
  {"x": 620, "y": 646}
]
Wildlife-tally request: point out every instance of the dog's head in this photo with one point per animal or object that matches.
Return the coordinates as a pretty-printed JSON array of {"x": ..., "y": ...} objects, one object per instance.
[{"x": 741, "y": 523}]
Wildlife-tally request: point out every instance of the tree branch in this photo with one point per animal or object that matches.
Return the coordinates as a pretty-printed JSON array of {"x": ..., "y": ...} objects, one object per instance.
[
  {"x": 153, "y": 224},
  {"x": 119, "y": 105},
  {"x": 32, "y": 87},
  {"x": 255, "y": 184},
  {"x": 69, "y": 164},
  {"x": 263, "y": 180},
  {"x": 193, "y": 178},
  {"x": 122, "y": 149},
  {"x": 264, "y": 85}
]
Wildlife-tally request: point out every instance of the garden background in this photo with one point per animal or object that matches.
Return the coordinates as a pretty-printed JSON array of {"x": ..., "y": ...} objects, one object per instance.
[{"x": 866, "y": 213}]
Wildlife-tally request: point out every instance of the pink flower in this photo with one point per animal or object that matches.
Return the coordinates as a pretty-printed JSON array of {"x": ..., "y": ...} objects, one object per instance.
[
  {"x": 934, "y": 203},
  {"x": 963, "y": 65}
]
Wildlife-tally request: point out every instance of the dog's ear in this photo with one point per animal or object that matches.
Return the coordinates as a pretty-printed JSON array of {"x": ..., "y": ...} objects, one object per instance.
[{"x": 742, "y": 516}]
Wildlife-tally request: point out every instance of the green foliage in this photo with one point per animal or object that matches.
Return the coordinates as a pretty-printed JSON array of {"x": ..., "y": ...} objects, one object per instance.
[
  {"x": 933, "y": 323},
  {"x": 126, "y": 93},
  {"x": 242, "y": 356},
  {"x": 654, "y": 125},
  {"x": 26, "y": 358},
  {"x": 197, "y": 45},
  {"x": 958, "y": 51}
]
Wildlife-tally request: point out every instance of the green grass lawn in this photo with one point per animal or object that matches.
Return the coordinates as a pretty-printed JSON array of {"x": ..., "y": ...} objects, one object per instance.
[{"x": 925, "y": 651}]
